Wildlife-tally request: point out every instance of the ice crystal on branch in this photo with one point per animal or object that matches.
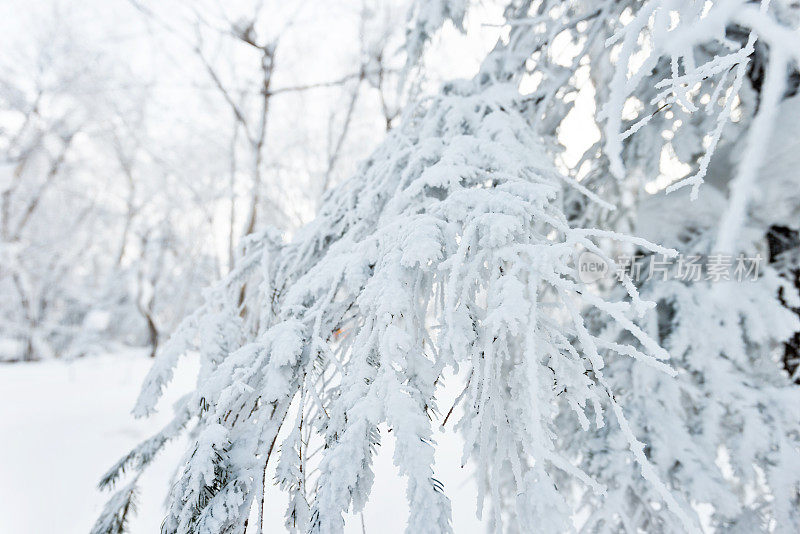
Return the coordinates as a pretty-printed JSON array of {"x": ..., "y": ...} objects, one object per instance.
[
  {"x": 451, "y": 251},
  {"x": 447, "y": 250}
]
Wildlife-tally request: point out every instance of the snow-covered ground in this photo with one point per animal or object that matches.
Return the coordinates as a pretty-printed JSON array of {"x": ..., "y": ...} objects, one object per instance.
[{"x": 62, "y": 424}]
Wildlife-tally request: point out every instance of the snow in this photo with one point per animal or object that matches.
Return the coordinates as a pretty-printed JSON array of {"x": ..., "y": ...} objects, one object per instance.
[
  {"x": 11, "y": 349},
  {"x": 64, "y": 423},
  {"x": 97, "y": 320}
]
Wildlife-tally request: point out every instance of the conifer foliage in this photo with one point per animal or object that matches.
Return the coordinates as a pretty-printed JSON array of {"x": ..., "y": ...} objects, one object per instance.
[{"x": 451, "y": 252}]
